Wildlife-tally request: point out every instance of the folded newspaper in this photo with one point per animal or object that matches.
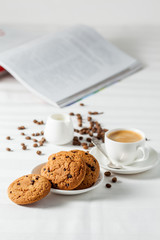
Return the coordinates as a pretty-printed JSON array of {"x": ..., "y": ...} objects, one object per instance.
[{"x": 63, "y": 67}]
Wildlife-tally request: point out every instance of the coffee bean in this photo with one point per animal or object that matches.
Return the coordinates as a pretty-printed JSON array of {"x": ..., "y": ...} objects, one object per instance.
[
  {"x": 108, "y": 185},
  {"x": 33, "y": 134},
  {"x": 27, "y": 138},
  {"x": 24, "y": 147},
  {"x": 88, "y": 139},
  {"x": 39, "y": 152},
  {"x": 114, "y": 179},
  {"x": 89, "y": 119},
  {"x": 107, "y": 174},
  {"x": 8, "y": 149},
  {"x": 35, "y": 145},
  {"x": 35, "y": 121},
  {"x": 80, "y": 138},
  {"x": 42, "y": 132},
  {"x": 21, "y": 128},
  {"x": 35, "y": 140},
  {"x": 81, "y": 104},
  {"x": 8, "y": 138},
  {"x": 37, "y": 134},
  {"x": 23, "y": 133},
  {"x": 69, "y": 176},
  {"x": 71, "y": 114}
]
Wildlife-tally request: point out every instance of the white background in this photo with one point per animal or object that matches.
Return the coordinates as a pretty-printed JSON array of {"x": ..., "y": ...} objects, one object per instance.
[
  {"x": 130, "y": 210},
  {"x": 92, "y": 12}
]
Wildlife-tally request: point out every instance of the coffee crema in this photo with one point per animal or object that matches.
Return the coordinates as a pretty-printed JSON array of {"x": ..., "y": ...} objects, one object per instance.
[{"x": 125, "y": 136}]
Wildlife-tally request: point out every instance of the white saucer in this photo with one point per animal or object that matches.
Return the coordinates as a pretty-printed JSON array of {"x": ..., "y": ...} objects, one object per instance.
[
  {"x": 149, "y": 163},
  {"x": 37, "y": 170}
]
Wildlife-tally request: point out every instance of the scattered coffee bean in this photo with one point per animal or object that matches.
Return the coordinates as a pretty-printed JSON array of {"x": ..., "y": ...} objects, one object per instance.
[
  {"x": 35, "y": 121},
  {"x": 39, "y": 152},
  {"x": 80, "y": 138},
  {"x": 28, "y": 138},
  {"x": 108, "y": 185},
  {"x": 114, "y": 179},
  {"x": 22, "y": 144},
  {"x": 8, "y": 149},
  {"x": 71, "y": 114},
  {"x": 22, "y": 133},
  {"x": 21, "y": 128},
  {"x": 88, "y": 139},
  {"x": 42, "y": 132},
  {"x": 107, "y": 174},
  {"x": 33, "y": 134},
  {"x": 8, "y": 138},
  {"x": 35, "y": 140},
  {"x": 95, "y": 113},
  {"x": 35, "y": 145},
  {"x": 91, "y": 145},
  {"x": 24, "y": 147},
  {"x": 81, "y": 104},
  {"x": 89, "y": 119},
  {"x": 37, "y": 134},
  {"x": 40, "y": 143}
]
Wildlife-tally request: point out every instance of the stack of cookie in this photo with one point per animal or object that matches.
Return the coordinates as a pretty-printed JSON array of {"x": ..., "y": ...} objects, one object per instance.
[
  {"x": 69, "y": 170},
  {"x": 64, "y": 170}
]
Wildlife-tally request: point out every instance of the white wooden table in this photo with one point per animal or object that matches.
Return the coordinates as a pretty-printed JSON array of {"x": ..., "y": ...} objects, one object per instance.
[{"x": 131, "y": 208}]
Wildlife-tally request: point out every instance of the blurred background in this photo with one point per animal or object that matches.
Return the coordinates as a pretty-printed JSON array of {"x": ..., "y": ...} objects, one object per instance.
[{"x": 91, "y": 12}]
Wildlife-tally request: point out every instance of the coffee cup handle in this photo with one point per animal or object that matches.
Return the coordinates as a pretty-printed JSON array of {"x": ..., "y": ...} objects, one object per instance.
[{"x": 145, "y": 153}]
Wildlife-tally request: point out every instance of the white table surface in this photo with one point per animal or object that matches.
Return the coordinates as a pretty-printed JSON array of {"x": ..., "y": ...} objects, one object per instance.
[{"x": 131, "y": 208}]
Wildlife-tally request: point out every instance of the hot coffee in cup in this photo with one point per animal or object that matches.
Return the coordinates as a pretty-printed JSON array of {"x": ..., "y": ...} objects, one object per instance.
[{"x": 123, "y": 146}]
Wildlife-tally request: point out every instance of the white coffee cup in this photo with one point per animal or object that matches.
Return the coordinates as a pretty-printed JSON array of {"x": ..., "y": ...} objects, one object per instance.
[
  {"x": 125, "y": 153},
  {"x": 59, "y": 129}
]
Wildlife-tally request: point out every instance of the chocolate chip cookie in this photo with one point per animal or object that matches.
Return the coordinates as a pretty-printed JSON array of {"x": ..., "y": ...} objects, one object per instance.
[
  {"x": 92, "y": 169},
  {"x": 65, "y": 170},
  {"x": 28, "y": 189}
]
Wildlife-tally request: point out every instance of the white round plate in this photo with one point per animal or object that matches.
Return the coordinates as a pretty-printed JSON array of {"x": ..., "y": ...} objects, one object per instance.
[
  {"x": 149, "y": 163},
  {"x": 37, "y": 170}
]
